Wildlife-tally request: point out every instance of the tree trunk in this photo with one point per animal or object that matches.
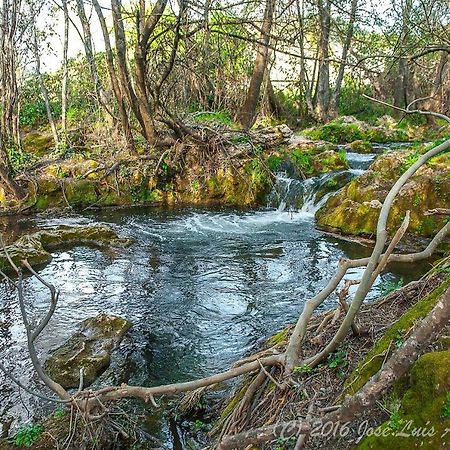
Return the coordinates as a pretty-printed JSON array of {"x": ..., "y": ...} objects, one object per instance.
[
  {"x": 276, "y": 108},
  {"x": 90, "y": 56},
  {"x": 43, "y": 88},
  {"x": 248, "y": 112},
  {"x": 137, "y": 93},
  {"x": 334, "y": 103},
  {"x": 114, "y": 81},
  {"x": 65, "y": 77},
  {"x": 323, "y": 78},
  {"x": 304, "y": 81},
  {"x": 402, "y": 77},
  {"x": 438, "y": 92},
  {"x": 9, "y": 119}
]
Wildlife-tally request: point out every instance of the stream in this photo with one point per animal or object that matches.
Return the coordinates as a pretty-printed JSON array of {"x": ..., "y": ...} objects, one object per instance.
[{"x": 201, "y": 286}]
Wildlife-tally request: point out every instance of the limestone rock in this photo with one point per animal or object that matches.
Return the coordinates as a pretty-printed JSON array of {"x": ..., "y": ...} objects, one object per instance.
[{"x": 89, "y": 349}]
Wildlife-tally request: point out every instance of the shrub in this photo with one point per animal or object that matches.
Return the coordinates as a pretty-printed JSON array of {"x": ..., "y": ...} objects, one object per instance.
[{"x": 27, "y": 435}]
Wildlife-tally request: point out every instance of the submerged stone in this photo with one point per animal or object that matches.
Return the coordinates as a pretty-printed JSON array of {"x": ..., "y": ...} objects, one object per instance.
[
  {"x": 35, "y": 247},
  {"x": 89, "y": 349}
]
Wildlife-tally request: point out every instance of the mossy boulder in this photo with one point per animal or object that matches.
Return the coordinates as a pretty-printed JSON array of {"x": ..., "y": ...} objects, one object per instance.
[
  {"x": 423, "y": 419},
  {"x": 348, "y": 129},
  {"x": 89, "y": 349},
  {"x": 38, "y": 142},
  {"x": 355, "y": 209},
  {"x": 360, "y": 146},
  {"x": 309, "y": 159},
  {"x": 36, "y": 247}
]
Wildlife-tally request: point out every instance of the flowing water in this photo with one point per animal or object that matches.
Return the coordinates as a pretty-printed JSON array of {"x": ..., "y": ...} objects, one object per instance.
[{"x": 201, "y": 286}]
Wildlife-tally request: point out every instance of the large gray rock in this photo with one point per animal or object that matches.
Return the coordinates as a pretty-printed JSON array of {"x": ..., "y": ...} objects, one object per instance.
[{"x": 90, "y": 348}]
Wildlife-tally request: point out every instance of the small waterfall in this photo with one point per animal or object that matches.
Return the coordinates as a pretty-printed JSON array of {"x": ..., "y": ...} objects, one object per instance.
[
  {"x": 306, "y": 196},
  {"x": 286, "y": 194}
]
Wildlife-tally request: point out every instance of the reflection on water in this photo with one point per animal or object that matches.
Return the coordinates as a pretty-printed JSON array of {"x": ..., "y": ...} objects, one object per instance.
[{"x": 200, "y": 286}]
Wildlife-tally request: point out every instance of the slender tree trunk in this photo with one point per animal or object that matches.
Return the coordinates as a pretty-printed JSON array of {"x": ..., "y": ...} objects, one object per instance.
[
  {"x": 9, "y": 119},
  {"x": 247, "y": 114},
  {"x": 43, "y": 88},
  {"x": 65, "y": 77},
  {"x": 275, "y": 106},
  {"x": 90, "y": 56},
  {"x": 137, "y": 92},
  {"x": 114, "y": 81},
  {"x": 304, "y": 81},
  {"x": 334, "y": 103},
  {"x": 402, "y": 78},
  {"x": 323, "y": 77},
  {"x": 438, "y": 91}
]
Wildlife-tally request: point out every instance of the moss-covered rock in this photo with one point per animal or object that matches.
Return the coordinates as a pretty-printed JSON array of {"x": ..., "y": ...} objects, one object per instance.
[
  {"x": 308, "y": 159},
  {"x": 89, "y": 349},
  {"x": 348, "y": 129},
  {"x": 355, "y": 209},
  {"x": 38, "y": 142},
  {"x": 360, "y": 146},
  {"x": 241, "y": 174},
  {"x": 35, "y": 247},
  {"x": 422, "y": 420}
]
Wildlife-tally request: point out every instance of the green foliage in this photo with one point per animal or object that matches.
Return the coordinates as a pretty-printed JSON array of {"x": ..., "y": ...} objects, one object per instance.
[
  {"x": 352, "y": 102},
  {"x": 386, "y": 287},
  {"x": 398, "y": 338},
  {"x": 305, "y": 368},
  {"x": 302, "y": 160},
  {"x": 273, "y": 162},
  {"x": 76, "y": 113},
  {"x": 33, "y": 113},
  {"x": 17, "y": 158},
  {"x": 27, "y": 435},
  {"x": 223, "y": 117},
  {"x": 258, "y": 172},
  {"x": 195, "y": 185},
  {"x": 338, "y": 362},
  {"x": 338, "y": 132},
  {"x": 60, "y": 413},
  {"x": 446, "y": 408},
  {"x": 410, "y": 160},
  {"x": 199, "y": 425},
  {"x": 395, "y": 421}
]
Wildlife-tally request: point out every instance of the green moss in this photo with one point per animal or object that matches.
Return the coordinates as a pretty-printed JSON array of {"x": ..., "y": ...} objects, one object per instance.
[
  {"x": 273, "y": 162},
  {"x": 355, "y": 208},
  {"x": 337, "y": 132},
  {"x": 303, "y": 161},
  {"x": 223, "y": 117},
  {"x": 80, "y": 192},
  {"x": 279, "y": 337},
  {"x": 347, "y": 129},
  {"x": 231, "y": 404},
  {"x": 422, "y": 408},
  {"x": 372, "y": 362},
  {"x": 361, "y": 147},
  {"x": 90, "y": 348},
  {"x": 42, "y": 202}
]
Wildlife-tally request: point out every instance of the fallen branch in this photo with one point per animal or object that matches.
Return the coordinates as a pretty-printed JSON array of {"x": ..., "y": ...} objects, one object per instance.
[{"x": 398, "y": 365}]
